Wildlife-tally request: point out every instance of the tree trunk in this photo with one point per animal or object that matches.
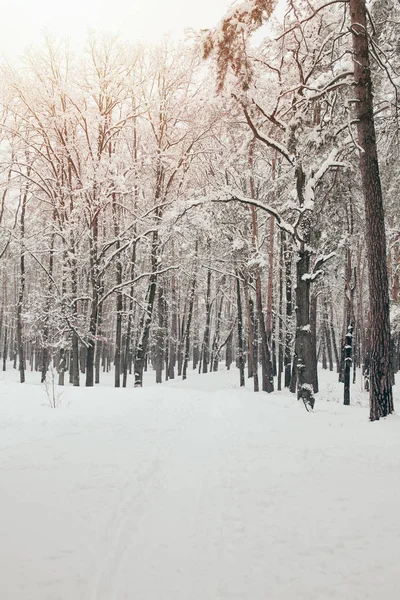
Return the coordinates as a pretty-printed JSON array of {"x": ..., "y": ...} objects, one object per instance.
[
  {"x": 174, "y": 329},
  {"x": 188, "y": 324},
  {"x": 21, "y": 292},
  {"x": 304, "y": 354},
  {"x": 160, "y": 335},
  {"x": 280, "y": 316},
  {"x": 254, "y": 345},
  {"x": 206, "y": 339},
  {"x": 45, "y": 344},
  {"x": 240, "y": 334},
  {"x": 381, "y": 397},
  {"x": 347, "y": 364},
  {"x": 216, "y": 340},
  {"x": 287, "y": 253},
  {"x": 145, "y": 322},
  {"x": 313, "y": 331}
]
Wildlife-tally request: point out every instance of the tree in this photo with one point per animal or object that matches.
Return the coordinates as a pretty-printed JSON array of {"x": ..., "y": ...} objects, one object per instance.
[{"x": 381, "y": 397}]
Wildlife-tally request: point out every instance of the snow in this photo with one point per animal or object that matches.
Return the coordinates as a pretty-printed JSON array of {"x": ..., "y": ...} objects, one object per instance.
[{"x": 196, "y": 490}]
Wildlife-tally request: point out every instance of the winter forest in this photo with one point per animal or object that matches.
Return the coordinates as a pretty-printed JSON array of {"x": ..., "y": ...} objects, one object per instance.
[
  {"x": 162, "y": 210},
  {"x": 197, "y": 222}
]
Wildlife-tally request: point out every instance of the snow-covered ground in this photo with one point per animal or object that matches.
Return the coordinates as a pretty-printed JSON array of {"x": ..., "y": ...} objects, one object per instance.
[{"x": 195, "y": 490}]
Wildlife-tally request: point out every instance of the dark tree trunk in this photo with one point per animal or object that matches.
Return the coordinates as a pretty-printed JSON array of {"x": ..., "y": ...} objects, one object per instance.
[
  {"x": 216, "y": 340},
  {"x": 254, "y": 345},
  {"x": 250, "y": 329},
  {"x": 174, "y": 330},
  {"x": 145, "y": 322},
  {"x": 45, "y": 353},
  {"x": 118, "y": 330},
  {"x": 381, "y": 397},
  {"x": 229, "y": 341},
  {"x": 304, "y": 354},
  {"x": 5, "y": 348},
  {"x": 347, "y": 364},
  {"x": 334, "y": 344},
  {"x": 128, "y": 336},
  {"x": 266, "y": 365},
  {"x": 327, "y": 334},
  {"x": 160, "y": 335},
  {"x": 196, "y": 336},
  {"x": 287, "y": 252},
  {"x": 94, "y": 308},
  {"x": 240, "y": 334},
  {"x": 21, "y": 292},
  {"x": 99, "y": 351},
  {"x": 313, "y": 331},
  {"x": 187, "y": 329},
  {"x": 280, "y": 316},
  {"x": 207, "y": 331}
]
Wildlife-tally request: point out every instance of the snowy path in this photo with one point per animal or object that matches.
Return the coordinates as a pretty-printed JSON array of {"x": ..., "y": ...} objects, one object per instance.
[{"x": 176, "y": 493}]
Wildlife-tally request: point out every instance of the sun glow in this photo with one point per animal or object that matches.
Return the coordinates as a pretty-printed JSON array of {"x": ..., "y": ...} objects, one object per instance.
[{"x": 24, "y": 22}]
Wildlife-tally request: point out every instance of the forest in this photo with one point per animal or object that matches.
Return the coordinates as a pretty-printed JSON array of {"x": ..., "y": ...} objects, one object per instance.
[{"x": 231, "y": 200}]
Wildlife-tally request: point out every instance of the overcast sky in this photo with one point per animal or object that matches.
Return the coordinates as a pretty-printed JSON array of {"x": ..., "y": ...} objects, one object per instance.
[{"x": 24, "y": 21}]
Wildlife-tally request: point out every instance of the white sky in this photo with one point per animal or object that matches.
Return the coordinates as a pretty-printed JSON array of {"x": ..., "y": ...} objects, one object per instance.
[{"x": 22, "y": 22}]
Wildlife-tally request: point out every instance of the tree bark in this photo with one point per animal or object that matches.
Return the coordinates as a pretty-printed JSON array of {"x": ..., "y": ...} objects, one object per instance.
[
  {"x": 287, "y": 253},
  {"x": 207, "y": 330},
  {"x": 240, "y": 334},
  {"x": 381, "y": 397},
  {"x": 21, "y": 292},
  {"x": 145, "y": 323},
  {"x": 188, "y": 324}
]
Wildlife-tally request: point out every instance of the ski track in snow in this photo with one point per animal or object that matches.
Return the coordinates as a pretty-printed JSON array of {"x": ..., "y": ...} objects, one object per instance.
[{"x": 196, "y": 490}]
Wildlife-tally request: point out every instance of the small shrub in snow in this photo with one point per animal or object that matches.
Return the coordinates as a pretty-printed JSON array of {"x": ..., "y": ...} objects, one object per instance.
[{"x": 50, "y": 387}]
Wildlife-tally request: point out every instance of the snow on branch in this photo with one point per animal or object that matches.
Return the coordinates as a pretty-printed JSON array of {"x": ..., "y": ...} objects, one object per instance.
[
  {"x": 321, "y": 260},
  {"x": 120, "y": 286},
  {"x": 309, "y": 192},
  {"x": 249, "y": 201},
  {"x": 275, "y": 145},
  {"x": 227, "y": 39},
  {"x": 329, "y": 87},
  {"x": 317, "y": 270}
]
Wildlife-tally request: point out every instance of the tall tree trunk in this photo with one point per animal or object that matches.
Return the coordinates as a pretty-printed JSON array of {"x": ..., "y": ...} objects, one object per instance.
[
  {"x": 45, "y": 343},
  {"x": 5, "y": 347},
  {"x": 74, "y": 363},
  {"x": 333, "y": 337},
  {"x": 381, "y": 397},
  {"x": 266, "y": 364},
  {"x": 99, "y": 345},
  {"x": 128, "y": 336},
  {"x": 216, "y": 340},
  {"x": 313, "y": 330},
  {"x": 93, "y": 318},
  {"x": 21, "y": 292},
  {"x": 254, "y": 345},
  {"x": 188, "y": 324},
  {"x": 160, "y": 334},
  {"x": 250, "y": 329},
  {"x": 174, "y": 328},
  {"x": 128, "y": 353},
  {"x": 240, "y": 333},
  {"x": 118, "y": 303},
  {"x": 287, "y": 252},
  {"x": 207, "y": 330},
  {"x": 145, "y": 322},
  {"x": 196, "y": 334},
  {"x": 305, "y": 356},
  {"x": 347, "y": 366},
  {"x": 303, "y": 347},
  {"x": 327, "y": 334},
  {"x": 270, "y": 288},
  {"x": 280, "y": 316}
]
